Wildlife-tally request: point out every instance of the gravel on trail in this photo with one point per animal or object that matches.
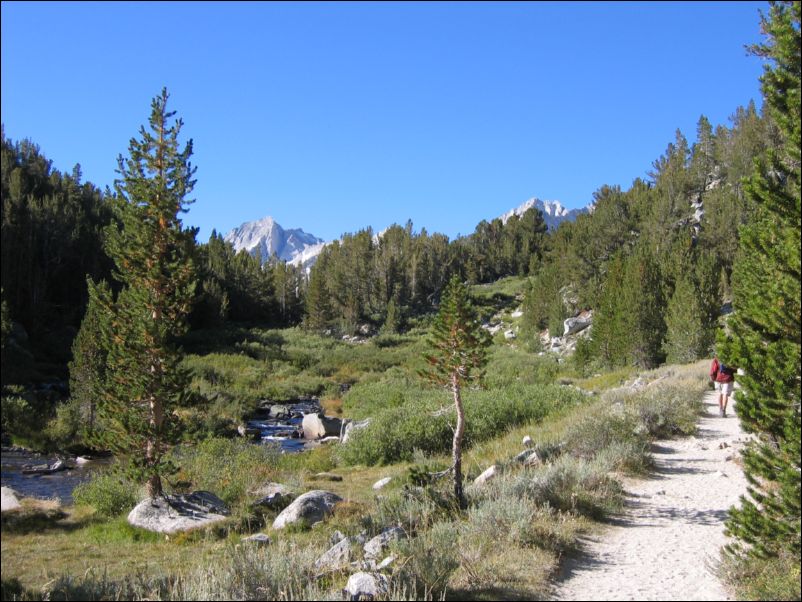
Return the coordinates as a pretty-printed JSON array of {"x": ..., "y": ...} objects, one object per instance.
[{"x": 666, "y": 543}]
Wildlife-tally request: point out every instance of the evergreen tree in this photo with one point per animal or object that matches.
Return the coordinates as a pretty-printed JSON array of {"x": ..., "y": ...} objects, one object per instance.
[
  {"x": 645, "y": 307},
  {"x": 457, "y": 357},
  {"x": 153, "y": 255},
  {"x": 765, "y": 326},
  {"x": 88, "y": 365},
  {"x": 687, "y": 338}
]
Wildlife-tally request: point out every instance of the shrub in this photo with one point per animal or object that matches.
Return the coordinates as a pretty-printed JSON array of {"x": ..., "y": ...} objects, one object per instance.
[
  {"x": 109, "y": 493},
  {"x": 669, "y": 411},
  {"x": 281, "y": 572},
  {"x": 229, "y": 468},
  {"x": 428, "y": 560},
  {"x": 422, "y": 421}
]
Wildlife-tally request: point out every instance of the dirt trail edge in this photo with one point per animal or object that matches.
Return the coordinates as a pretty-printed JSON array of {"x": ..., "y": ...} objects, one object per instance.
[{"x": 668, "y": 538}]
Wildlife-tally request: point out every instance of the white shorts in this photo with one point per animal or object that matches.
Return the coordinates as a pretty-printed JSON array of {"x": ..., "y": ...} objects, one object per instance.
[{"x": 724, "y": 388}]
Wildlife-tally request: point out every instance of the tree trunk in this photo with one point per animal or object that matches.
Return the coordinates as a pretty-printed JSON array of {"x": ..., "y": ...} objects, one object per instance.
[
  {"x": 153, "y": 450},
  {"x": 457, "y": 446}
]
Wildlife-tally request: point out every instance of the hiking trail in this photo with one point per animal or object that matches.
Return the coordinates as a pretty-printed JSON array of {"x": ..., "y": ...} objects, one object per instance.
[{"x": 666, "y": 542}]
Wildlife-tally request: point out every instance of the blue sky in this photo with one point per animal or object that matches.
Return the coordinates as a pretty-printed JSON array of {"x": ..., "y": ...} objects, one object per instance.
[{"x": 335, "y": 116}]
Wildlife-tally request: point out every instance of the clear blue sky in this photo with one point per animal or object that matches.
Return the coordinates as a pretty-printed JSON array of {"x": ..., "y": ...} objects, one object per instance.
[{"x": 335, "y": 116}]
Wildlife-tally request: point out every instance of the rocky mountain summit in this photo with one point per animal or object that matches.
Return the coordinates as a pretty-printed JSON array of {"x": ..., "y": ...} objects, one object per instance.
[
  {"x": 553, "y": 212},
  {"x": 268, "y": 238}
]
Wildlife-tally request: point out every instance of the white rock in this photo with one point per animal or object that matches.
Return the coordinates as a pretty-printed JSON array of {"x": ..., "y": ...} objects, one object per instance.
[
  {"x": 349, "y": 426},
  {"x": 8, "y": 499},
  {"x": 382, "y": 482},
  {"x": 385, "y": 563},
  {"x": 259, "y": 539},
  {"x": 487, "y": 475},
  {"x": 312, "y": 507},
  {"x": 368, "y": 586},
  {"x": 318, "y": 426},
  {"x": 336, "y": 557},
  {"x": 375, "y": 547},
  {"x": 182, "y": 513}
]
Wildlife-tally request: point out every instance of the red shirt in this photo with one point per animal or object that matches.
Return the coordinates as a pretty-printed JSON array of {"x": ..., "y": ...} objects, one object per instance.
[{"x": 719, "y": 376}]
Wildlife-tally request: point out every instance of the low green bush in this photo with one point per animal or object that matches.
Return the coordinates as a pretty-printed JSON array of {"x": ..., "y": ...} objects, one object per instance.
[
  {"x": 422, "y": 419},
  {"x": 109, "y": 493},
  {"x": 229, "y": 468},
  {"x": 773, "y": 578},
  {"x": 428, "y": 560},
  {"x": 669, "y": 411}
]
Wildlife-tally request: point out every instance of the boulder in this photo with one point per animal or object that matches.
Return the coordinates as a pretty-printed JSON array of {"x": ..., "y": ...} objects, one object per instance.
[
  {"x": 533, "y": 459},
  {"x": 376, "y": 546},
  {"x": 381, "y": 483},
  {"x": 577, "y": 324},
  {"x": 527, "y": 441},
  {"x": 248, "y": 431},
  {"x": 8, "y": 499},
  {"x": 509, "y": 334},
  {"x": 311, "y": 507},
  {"x": 349, "y": 426},
  {"x": 327, "y": 476},
  {"x": 317, "y": 426},
  {"x": 257, "y": 539},
  {"x": 273, "y": 496},
  {"x": 336, "y": 558},
  {"x": 280, "y": 412},
  {"x": 174, "y": 513},
  {"x": 487, "y": 475},
  {"x": 366, "y": 586}
]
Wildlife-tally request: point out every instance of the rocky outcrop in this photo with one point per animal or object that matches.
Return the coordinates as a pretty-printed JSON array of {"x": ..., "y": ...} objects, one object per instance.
[
  {"x": 577, "y": 323},
  {"x": 309, "y": 508},
  {"x": 174, "y": 513}
]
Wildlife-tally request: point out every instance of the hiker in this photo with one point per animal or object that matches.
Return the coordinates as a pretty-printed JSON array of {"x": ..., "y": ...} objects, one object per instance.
[{"x": 723, "y": 377}]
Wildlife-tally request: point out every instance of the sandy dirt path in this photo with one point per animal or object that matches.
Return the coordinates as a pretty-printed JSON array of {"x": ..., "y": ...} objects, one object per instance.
[{"x": 664, "y": 544}]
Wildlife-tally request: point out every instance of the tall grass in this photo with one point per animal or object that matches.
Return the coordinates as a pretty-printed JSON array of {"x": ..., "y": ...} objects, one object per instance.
[{"x": 422, "y": 419}]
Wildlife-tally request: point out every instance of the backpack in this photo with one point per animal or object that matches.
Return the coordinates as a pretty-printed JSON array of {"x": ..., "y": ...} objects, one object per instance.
[{"x": 725, "y": 369}]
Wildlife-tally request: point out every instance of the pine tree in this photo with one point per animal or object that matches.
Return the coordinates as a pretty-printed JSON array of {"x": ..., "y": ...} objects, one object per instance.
[
  {"x": 153, "y": 255},
  {"x": 457, "y": 357},
  {"x": 89, "y": 356},
  {"x": 765, "y": 326},
  {"x": 687, "y": 338}
]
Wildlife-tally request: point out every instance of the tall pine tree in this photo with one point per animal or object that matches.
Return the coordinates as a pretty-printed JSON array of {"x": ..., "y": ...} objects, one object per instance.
[
  {"x": 765, "y": 327},
  {"x": 153, "y": 255}
]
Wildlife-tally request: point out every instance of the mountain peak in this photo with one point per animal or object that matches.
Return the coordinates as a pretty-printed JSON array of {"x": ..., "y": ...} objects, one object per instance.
[
  {"x": 266, "y": 237},
  {"x": 553, "y": 212}
]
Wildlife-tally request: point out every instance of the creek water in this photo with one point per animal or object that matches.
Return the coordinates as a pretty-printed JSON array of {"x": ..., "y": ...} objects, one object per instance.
[
  {"x": 275, "y": 427},
  {"x": 45, "y": 486},
  {"x": 284, "y": 427}
]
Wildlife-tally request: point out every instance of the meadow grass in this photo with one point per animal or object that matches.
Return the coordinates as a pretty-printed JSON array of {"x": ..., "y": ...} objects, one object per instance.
[{"x": 507, "y": 544}]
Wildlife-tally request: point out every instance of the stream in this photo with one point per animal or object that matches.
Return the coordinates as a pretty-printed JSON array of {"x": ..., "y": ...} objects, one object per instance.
[
  {"x": 45, "y": 486},
  {"x": 278, "y": 423}
]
